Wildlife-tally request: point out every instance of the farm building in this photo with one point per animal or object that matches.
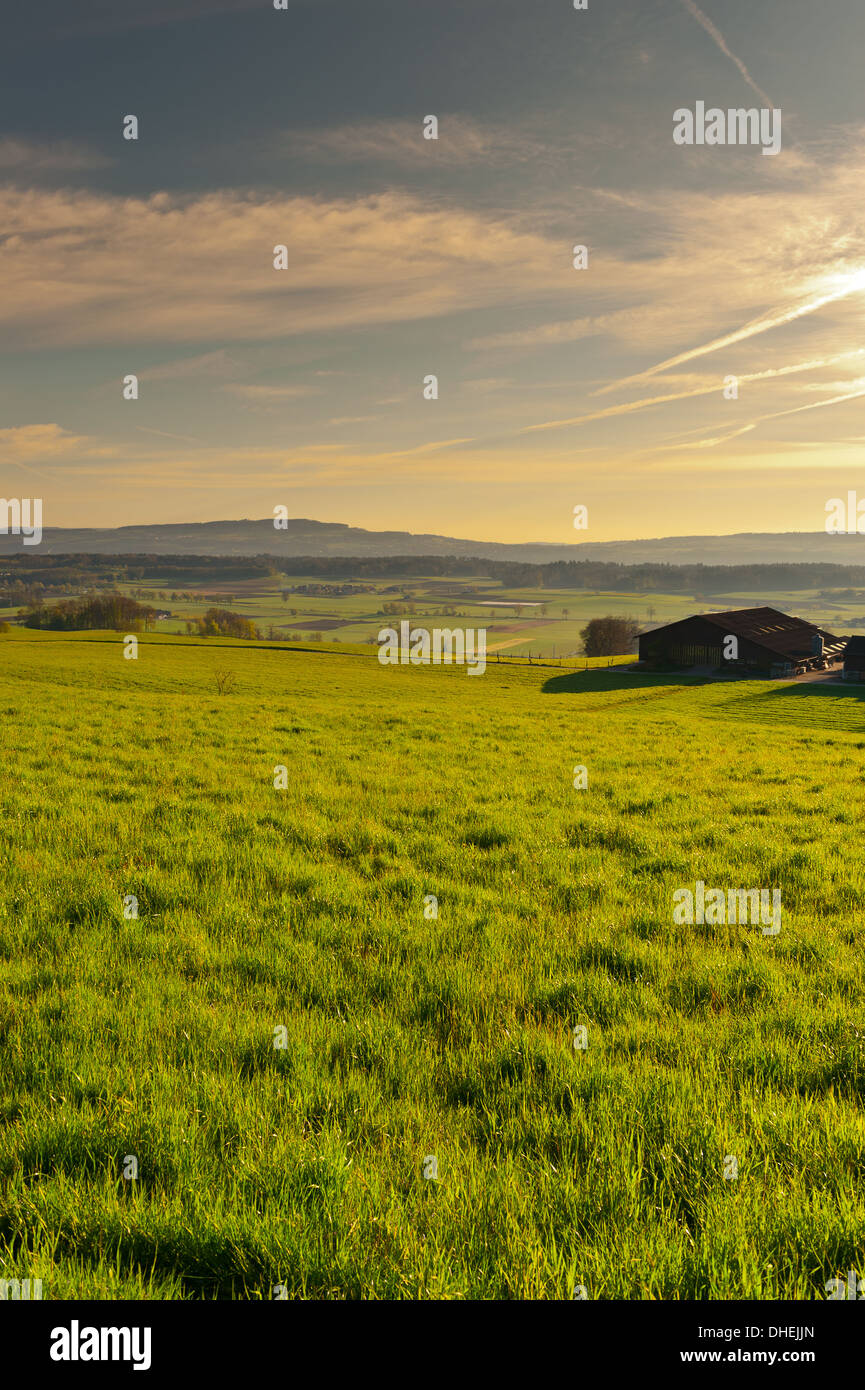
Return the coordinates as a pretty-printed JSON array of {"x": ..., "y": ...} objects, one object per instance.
[
  {"x": 854, "y": 660},
  {"x": 767, "y": 642}
]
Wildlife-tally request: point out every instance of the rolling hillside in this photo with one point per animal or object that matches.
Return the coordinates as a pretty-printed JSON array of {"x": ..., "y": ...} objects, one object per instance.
[
  {"x": 305, "y": 537},
  {"x": 410, "y": 1036}
]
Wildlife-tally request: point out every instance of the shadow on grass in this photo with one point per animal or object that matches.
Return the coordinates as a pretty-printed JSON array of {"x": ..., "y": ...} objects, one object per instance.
[
  {"x": 614, "y": 678},
  {"x": 608, "y": 678},
  {"x": 827, "y": 689}
]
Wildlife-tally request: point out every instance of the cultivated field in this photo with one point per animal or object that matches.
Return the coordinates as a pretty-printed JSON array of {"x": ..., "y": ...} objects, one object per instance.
[
  {"x": 410, "y": 1037},
  {"x": 518, "y": 621}
]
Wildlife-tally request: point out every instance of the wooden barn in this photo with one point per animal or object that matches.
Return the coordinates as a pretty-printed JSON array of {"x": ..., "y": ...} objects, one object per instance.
[
  {"x": 854, "y": 660},
  {"x": 769, "y": 643}
]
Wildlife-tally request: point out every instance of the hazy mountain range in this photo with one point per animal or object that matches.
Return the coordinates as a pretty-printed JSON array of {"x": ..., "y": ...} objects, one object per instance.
[{"x": 303, "y": 537}]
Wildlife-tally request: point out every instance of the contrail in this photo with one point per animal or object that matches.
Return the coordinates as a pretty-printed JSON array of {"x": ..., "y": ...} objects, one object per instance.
[
  {"x": 776, "y": 415},
  {"x": 750, "y": 330},
  {"x": 814, "y": 405},
  {"x": 627, "y": 407},
  {"x": 719, "y": 39}
]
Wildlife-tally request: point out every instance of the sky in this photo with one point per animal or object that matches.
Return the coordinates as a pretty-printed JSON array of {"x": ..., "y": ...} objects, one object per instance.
[{"x": 605, "y": 387}]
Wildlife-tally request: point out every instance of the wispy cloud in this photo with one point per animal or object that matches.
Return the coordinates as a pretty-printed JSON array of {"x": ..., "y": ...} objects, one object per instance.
[
  {"x": 551, "y": 334},
  {"x": 166, "y": 434},
  {"x": 54, "y": 156},
  {"x": 206, "y": 364},
  {"x": 463, "y": 141},
  {"x": 271, "y": 395},
  {"x": 88, "y": 268},
  {"x": 39, "y": 442}
]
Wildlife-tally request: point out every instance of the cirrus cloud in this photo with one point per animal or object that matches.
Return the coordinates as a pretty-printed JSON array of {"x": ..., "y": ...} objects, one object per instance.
[{"x": 91, "y": 268}]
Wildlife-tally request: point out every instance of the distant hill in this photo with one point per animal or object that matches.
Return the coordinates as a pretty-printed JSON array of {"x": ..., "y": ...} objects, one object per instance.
[{"x": 324, "y": 538}]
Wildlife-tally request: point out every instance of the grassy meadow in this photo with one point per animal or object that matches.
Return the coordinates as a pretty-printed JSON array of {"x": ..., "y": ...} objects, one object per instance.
[{"x": 409, "y": 1036}]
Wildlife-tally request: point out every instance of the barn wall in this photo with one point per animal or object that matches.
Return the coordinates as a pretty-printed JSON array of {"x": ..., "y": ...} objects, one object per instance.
[
  {"x": 691, "y": 634},
  {"x": 695, "y": 642}
]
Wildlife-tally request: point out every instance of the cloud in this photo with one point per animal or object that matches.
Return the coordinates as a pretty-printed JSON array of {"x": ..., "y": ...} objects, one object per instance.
[
  {"x": 462, "y": 142},
  {"x": 217, "y": 468},
  {"x": 36, "y": 156},
  {"x": 271, "y": 395},
  {"x": 206, "y": 364},
  {"x": 692, "y": 273},
  {"x": 37, "y": 443},
  {"x": 565, "y": 331},
  {"x": 166, "y": 434},
  {"x": 90, "y": 268},
  {"x": 484, "y": 385}
]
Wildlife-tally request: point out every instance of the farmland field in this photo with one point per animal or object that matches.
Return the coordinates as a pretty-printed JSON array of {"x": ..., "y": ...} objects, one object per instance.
[
  {"x": 410, "y": 1036},
  {"x": 518, "y": 621}
]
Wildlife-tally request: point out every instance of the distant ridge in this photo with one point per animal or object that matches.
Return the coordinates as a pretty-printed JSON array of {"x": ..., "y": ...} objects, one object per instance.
[{"x": 330, "y": 538}]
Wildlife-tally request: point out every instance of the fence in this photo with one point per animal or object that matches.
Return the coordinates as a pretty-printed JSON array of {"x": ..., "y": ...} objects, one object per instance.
[{"x": 573, "y": 662}]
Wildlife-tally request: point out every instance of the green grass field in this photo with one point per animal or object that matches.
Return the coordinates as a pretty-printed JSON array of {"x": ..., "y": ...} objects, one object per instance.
[{"x": 409, "y": 1036}]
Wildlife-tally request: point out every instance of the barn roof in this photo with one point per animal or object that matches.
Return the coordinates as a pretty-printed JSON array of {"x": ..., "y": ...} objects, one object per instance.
[
  {"x": 769, "y": 628},
  {"x": 855, "y": 649}
]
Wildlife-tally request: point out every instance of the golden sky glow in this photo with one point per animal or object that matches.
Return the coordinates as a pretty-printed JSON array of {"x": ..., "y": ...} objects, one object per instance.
[{"x": 407, "y": 257}]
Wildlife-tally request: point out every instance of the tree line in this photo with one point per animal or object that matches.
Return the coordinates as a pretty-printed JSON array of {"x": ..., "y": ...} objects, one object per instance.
[
  {"x": 100, "y": 612},
  {"x": 117, "y": 613},
  {"x": 25, "y": 572}
]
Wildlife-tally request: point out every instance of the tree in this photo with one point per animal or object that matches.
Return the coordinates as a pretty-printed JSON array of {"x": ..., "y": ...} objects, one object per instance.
[
  {"x": 609, "y": 636},
  {"x": 220, "y": 622},
  {"x": 102, "y": 612}
]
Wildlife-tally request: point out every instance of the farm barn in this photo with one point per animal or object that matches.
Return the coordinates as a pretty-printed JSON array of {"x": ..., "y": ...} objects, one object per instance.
[
  {"x": 854, "y": 660},
  {"x": 769, "y": 642}
]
